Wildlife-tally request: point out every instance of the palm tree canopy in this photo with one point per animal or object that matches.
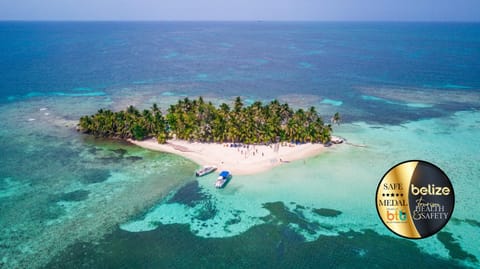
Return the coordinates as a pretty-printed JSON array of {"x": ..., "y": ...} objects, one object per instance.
[{"x": 200, "y": 121}]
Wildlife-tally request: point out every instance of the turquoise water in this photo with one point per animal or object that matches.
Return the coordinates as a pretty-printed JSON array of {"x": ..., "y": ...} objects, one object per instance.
[
  {"x": 68, "y": 200},
  {"x": 344, "y": 179}
]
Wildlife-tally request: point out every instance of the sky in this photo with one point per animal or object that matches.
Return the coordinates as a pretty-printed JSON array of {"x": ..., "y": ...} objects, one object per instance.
[{"x": 233, "y": 10}]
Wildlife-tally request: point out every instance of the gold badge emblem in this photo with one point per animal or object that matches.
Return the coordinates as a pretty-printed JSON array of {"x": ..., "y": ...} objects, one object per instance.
[{"x": 415, "y": 199}]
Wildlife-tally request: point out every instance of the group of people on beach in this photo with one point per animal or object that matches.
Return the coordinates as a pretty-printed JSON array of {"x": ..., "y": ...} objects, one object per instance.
[
  {"x": 248, "y": 151},
  {"x": 245, "y": 150}
]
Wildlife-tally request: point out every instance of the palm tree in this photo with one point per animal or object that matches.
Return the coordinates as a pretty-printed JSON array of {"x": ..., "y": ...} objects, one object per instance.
[
  {"x": 133, "y": 111},
  {"x": 155, "y": 108},
  {"x": 200, "y": 121},
  {"x": 238, "y": 105},
  {"x": 336, "y": 118}
]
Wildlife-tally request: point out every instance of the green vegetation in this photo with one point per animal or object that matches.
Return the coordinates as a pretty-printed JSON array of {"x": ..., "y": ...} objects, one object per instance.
[
  {"x": 336, "y": 118},
  {"x": 196, "y": 120}
]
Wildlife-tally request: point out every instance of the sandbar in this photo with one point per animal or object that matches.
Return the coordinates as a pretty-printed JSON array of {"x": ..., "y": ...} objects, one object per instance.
[{"x": 240, "y": 160}]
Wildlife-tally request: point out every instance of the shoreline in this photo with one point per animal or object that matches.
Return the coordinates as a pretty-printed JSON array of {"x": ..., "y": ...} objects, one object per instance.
[{"x": 243, "y": 160}]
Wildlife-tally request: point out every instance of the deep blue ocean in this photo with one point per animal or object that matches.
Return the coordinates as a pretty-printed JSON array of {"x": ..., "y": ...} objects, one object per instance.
[
  {"x": 67, "y": 200},
  {"x": 254, "y": 59}
]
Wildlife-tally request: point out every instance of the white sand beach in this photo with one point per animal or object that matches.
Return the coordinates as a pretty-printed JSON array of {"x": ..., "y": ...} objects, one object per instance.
[{"x": 244, "y": 160}]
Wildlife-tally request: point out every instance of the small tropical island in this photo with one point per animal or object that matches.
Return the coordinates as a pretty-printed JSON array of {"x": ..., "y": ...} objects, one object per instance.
[{"x": 245, "y": 139}]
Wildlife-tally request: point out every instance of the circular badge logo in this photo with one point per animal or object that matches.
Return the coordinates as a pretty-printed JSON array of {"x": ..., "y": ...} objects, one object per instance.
[{"x": 415, "y": 199}]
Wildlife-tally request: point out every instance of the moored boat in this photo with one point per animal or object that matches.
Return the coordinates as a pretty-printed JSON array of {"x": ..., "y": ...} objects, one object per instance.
[
  {"x": 336, "y": 140},
  {"x": 223, "y": 179},
  {"x": 207, "y": 169}
]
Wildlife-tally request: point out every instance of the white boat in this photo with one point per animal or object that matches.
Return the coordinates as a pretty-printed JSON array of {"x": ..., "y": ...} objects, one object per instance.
[
  {"x": 207, "y": 169},
  {"x": 336, "y": 140},
  {"x": 223, "y": 179}
]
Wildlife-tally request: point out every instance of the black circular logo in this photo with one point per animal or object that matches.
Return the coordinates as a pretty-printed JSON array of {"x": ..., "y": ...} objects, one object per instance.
[{"x": 415, "y": 199}]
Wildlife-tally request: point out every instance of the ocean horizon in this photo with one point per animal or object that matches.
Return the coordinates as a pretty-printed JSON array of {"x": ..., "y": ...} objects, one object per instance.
[{"x": 406, "y": 91}]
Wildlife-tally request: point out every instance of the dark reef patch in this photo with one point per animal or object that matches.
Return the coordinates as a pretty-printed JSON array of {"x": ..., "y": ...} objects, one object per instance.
[
  {"x": 472, "y": 222},
  {"x": 119, "y": 151},
  {"x": 235, "y": 220},
  {"x": 299, "y": 207},
  {"x": 190, "y": 194},
  {"x": 91, "y": 176},
  {"x": 280, "y": 214},
  {"x": 327, "y": 212},
  {"x": 207, "y": 210},
  {"x": 263, "y": 246},
  {"x": 454, "y": 248},
  {"x": 74, "y": 196},
  {"x": 133, "y": 158},
  {"x": 93, "y": 150}
]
